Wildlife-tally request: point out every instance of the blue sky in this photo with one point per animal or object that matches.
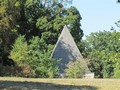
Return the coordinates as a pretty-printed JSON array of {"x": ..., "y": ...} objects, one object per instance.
[{"x": 97, "y": 15}]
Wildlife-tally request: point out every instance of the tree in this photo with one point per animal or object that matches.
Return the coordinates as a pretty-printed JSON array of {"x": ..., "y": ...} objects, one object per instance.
[
  {"x": 36, "y": 19},
  {"x": 8, "y": 15},
  {"x": 40, "y": 60},
  {"x": 33, "y": 56},
  {"x": 100, "y": 47},
  {"x": 19, "y": 52}
]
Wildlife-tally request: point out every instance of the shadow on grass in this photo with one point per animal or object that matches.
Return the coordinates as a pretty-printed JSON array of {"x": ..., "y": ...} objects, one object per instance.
[{"x": 11, "y": 85}]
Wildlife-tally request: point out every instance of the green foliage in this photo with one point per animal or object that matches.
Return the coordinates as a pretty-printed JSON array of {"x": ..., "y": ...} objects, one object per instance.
[
  {"x": 117, "y": 71},
  {"x": 37, "y": 47},
  {"x": 72, "y": 20},
  {"x": 47, "y": 66},
  {"x": 8, "y": 15},
  {"x": 36, "y": 55},
  {"x": 34, "y": 18},
  {"x": 40, "y": 60},
  {"x": 101, "y": 50},
  {"x": 75, "y": 69},
  {"x": 116, "y": 58},
  {"x": 39, "y": 19},
  {"x": 40, "y": 22},
  {"x": 19, "y": 52}
]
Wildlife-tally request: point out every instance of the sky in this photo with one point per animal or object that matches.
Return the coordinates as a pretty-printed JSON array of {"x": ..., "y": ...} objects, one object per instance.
[{"x": 97, "y": 15}]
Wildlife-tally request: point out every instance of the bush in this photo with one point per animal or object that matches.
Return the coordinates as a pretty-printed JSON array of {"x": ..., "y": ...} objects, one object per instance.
[
  {"x": 40, "y": 60},
  {"x": 33, "y": 58},
  {"x": 117, "y": 71},
  {"x": 117, "y": 74},
  {"x": 19, "y": 52},
  {"x": 75, "y": 69}
]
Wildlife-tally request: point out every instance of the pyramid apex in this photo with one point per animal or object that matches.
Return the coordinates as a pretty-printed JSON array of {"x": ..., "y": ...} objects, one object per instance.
[
  {"x": 65, "y": 26},
  {"x": 65, "y": 29}
]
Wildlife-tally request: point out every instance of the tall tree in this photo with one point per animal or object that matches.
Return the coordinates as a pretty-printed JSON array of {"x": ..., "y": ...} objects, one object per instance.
[
  {"x": 8, "y": 15},
  {"x": 40, "y": 20}
]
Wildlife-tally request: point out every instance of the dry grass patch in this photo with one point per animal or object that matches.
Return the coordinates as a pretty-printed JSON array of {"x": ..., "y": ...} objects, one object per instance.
[{"x": 13, "y": 83}]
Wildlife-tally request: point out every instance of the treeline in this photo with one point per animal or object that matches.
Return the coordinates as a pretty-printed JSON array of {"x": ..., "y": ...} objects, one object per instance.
[
  {"x": 102, "y": 49},
  {"x": 29, "y": 30}
]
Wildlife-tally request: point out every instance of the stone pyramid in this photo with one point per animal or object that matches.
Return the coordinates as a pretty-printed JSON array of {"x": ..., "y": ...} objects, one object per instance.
[{"x": 66, "y": 50}]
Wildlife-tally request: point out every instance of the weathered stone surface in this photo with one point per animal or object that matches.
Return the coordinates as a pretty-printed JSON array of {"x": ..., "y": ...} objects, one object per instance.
[{"x": 66, "y": 50}]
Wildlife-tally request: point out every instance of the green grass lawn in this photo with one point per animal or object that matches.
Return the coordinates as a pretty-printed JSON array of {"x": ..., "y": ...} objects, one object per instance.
[{"x": 13, "y": 83}]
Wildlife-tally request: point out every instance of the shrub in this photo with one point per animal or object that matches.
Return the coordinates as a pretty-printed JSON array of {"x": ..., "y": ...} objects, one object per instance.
[
  {"x": 117, "y": 71},
  {"x": 33, "y": 58},
  {"x": 117, "y": 74},
  {"x": 19, "y": 52},
  {"x": 75, "y": 69},
  {"x": 40, "y": 60}
]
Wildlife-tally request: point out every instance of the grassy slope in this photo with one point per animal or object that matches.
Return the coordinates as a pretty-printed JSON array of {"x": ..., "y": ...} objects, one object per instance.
[{"x": 7, "y": 83}]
